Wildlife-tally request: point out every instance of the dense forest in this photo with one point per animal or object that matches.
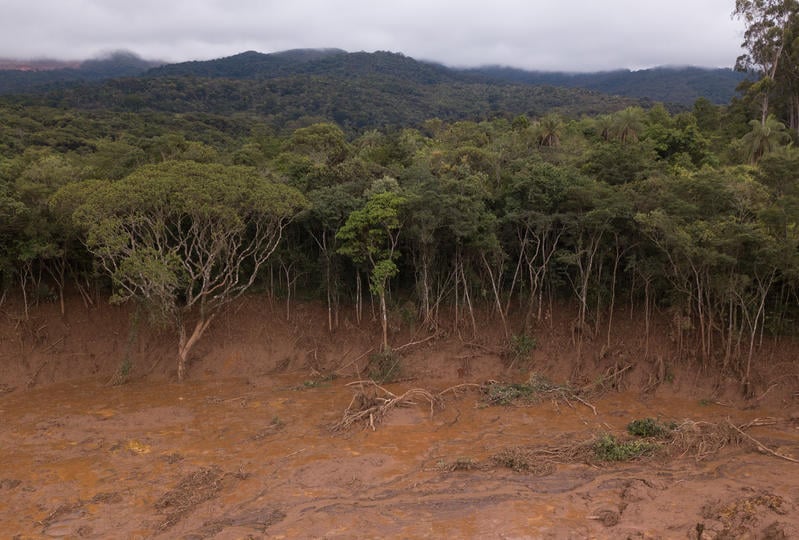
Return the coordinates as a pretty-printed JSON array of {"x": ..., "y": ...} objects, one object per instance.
[
  {"x": 184, "y": 208},
  {"x": 274, "y": 75}
]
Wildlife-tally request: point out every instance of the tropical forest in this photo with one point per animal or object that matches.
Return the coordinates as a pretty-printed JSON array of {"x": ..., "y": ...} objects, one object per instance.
[{"x": 269, "y": 293}]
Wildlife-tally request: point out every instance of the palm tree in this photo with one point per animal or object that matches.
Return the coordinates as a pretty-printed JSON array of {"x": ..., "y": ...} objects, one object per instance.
[
  {"x": 764, "y": 137},
  {"x": 549, "y": 130},
  {"x": 629, "y": 124},
  {"x": 604, "y": 126}
]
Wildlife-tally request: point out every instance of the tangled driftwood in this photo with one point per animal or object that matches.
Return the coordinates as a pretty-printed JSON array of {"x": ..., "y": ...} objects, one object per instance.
[{"x": 372, "y": 402}]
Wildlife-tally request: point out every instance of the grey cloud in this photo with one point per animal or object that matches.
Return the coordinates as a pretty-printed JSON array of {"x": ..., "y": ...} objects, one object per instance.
[{"x": 571, "y": 35}]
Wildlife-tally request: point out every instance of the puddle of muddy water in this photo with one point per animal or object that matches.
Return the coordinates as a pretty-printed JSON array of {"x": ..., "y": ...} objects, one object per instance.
[{"x": 227, "y": 459}]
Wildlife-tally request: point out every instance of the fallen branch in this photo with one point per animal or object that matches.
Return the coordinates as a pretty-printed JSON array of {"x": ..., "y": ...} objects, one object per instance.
[
  {"x": 52, "y": 345},
  {"x": 464, "y": 386},
  {"x": 609, "y": 377},
  {"x": 372, "y": 406},
  {"x": 586, "y": 403},
  {"x": 373, "y": 402},
  {"x": 412, "y": 343},
  {"x": 32, "y": 381},
  {"x": 337, "y": 372},
  {"x": 759, "y": 445}
]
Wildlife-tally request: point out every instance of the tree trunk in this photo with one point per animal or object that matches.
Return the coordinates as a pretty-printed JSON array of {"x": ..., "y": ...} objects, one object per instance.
[
  {"x": 185, "y": 345},
  {"x": 495, "y": 286},
  {"x": 384, "y": 319},
  {"x": 359, "y": 304},
  {"x": 468, "y": 300}
]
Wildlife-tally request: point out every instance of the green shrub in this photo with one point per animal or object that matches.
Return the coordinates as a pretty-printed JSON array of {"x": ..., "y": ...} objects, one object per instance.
[
  {"x": 649, "y": 427},
  {"x": 508, "y": 393},
  {"x": 521, "y": 345},
  {"x": 607, "y": 448}
]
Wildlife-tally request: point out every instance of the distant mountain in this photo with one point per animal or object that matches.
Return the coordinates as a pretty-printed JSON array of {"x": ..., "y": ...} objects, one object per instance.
[
  {"x": 318, "y": 62},
  {"x": 679, "y": 85},
  {"x": 359, "y": 91},
  {"x": 675, "y": 85},
  {"x": 246, "y": 65},
  {"x": 36, "y": 76}
]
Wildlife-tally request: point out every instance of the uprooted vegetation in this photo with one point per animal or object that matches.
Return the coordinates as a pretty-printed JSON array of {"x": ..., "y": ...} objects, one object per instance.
[
  {"x": 645, "y": 437},
  {"x": 535, "y": 390},
  {"x": 371, "y": 401},
  {"x": 649, "y": 427},
  {"x": 650, "y": 438}
]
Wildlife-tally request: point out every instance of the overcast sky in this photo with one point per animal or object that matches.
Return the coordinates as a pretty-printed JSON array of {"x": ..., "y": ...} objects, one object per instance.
[{"x": 573, "y": 35}]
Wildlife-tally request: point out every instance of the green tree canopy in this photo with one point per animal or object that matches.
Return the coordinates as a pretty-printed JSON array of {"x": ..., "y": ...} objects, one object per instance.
[{"x": 183, "y": 237}]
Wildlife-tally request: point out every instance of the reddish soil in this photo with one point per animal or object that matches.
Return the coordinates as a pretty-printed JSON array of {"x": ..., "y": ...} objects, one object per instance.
[{"x": 244, "y": 448}]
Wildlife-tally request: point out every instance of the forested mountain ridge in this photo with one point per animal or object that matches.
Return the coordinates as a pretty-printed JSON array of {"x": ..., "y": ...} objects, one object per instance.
[
  {"x": 678, "y": 85},
  {"x": 682, "y": 85},
  {"x": 669, "y": 85},
  {"x": 358, "y": 91}
]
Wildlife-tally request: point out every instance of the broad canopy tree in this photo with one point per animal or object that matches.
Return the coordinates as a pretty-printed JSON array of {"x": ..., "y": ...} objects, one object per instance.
[{"x": 184, "y": 238}]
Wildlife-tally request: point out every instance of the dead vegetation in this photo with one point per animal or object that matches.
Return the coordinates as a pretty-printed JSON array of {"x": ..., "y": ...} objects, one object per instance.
[
  {"x": 535, "y": 390},
  {"x": 193, "y": 490},
  {"x": 372, "y": 402},
  {"x": 259, "y": 520},
  {"x": 742, "y": 517},
  {"x": 77, "y": 508},
  {"x": 697, "y": 439}
]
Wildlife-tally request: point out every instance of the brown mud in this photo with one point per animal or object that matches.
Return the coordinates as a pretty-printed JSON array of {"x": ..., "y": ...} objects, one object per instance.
[{"x": 244, "y": 448}]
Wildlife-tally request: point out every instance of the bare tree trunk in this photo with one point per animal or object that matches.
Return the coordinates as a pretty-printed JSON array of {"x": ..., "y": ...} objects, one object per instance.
[
  {"x": 358, "y": 298},
  {"x": 185, "y": 345},
  {"x": 613, "y": 289},
  {"x": 425, "y": 269},
  {"x": 468, "y": 300},
  {"x": 58, "y": 271},
  {"x": 384, "y": 320},
  {"x": 495, "y": 288},
  {"x": 646, "y": 319},
  {"x": 24, "y": 276}
]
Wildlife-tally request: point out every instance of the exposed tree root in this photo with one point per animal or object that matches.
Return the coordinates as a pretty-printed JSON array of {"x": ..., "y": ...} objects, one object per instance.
[
  {"x": 534, "y": 391},
  {"x": 372, "y": 402}
]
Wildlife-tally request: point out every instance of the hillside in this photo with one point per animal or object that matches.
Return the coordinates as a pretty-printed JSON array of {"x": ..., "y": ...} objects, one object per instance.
[
  {"x": 680, "y": 85},
  {"x": 358, "y": 91},
  {"x": 17, "y": 78}
]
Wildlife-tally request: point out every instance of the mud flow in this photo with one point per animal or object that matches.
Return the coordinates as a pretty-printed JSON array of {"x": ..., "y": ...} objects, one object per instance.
[{"x": 256, "y": 459}]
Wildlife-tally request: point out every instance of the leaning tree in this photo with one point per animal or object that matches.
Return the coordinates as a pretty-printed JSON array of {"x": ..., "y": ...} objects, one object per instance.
[{"x": 185, "y": 238}]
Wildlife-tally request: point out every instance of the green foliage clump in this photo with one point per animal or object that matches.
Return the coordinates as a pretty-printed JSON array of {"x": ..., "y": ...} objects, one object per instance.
[
  {"x": 608, "y": 448},
  {"x": 521, "y": 345},
  {"x": 649, "y": 427},
  {"x": 497, "y": 393}
]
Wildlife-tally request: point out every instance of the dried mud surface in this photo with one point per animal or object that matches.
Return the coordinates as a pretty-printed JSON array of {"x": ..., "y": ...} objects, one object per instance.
[{"x": 255, "y": 458}]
